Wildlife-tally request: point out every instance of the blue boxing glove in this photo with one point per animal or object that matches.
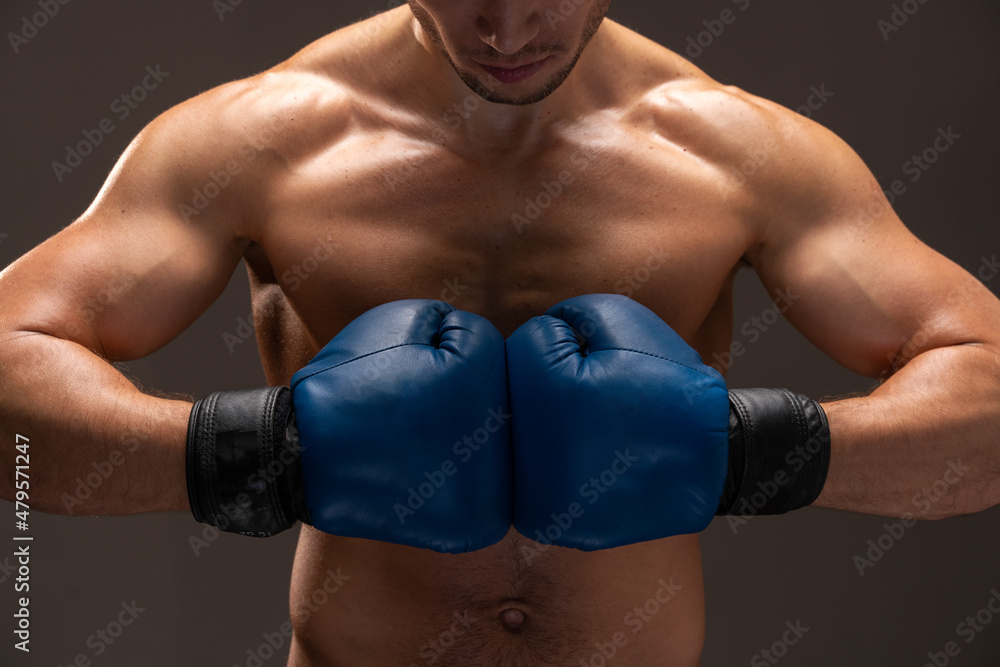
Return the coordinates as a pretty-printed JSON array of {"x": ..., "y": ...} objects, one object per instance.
[
  {"x": 396, "y": 431},
  {"x": 622, "y": 435}
]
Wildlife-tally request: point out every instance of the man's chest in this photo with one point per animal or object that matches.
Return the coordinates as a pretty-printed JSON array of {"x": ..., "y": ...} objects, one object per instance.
[{"x": 354, "y": 230}]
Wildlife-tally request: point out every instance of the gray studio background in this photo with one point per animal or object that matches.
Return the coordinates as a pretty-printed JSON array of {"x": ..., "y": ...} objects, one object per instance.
[{"x": 888, "y": 98}]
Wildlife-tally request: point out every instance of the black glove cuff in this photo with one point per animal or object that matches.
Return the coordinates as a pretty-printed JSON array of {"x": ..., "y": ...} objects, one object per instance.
[
  {"x": 243, "y": 470},
  {"x": 779, "y": 452}
]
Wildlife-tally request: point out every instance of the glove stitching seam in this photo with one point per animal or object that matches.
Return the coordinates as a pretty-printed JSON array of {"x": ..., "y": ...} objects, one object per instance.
[
  {"x": 746, "y": 425},
  {"x": 268, "y": 447},
  {"x": 743, "y": 415},
  {"x": 211, "y": 459},
  {"x": 656, "y": 356},
  {"x": 345, "y": 362},
  {"x": 802, "y": 430}
]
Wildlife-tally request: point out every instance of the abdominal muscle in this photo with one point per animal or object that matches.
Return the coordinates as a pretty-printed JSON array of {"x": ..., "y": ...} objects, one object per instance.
[{"x": 359, "y": 602}]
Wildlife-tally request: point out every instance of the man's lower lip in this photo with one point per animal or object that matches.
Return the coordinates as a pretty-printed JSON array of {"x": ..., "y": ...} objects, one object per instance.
[{"x": 514, "y": 75}]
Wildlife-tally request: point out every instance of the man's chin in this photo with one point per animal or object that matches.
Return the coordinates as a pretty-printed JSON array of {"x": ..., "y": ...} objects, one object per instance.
[{"x": 512, "y": 94}]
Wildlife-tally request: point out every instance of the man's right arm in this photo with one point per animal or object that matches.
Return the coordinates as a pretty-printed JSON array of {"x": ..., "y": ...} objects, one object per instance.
[{"x": 119, "y": 283}]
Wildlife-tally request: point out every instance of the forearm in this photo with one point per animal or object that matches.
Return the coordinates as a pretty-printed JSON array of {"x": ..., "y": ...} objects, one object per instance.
[
  {"x": 925, "y": 443},
  {"x": 98, "y": 444}
]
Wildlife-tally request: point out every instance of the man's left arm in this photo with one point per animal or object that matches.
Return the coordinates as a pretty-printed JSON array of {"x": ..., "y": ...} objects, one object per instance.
[{"x": 926, "y": 440}]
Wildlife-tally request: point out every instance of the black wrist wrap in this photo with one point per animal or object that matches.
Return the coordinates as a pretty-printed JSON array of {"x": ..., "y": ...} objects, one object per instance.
[
  {"x": 779, "y": 452},
  {"x": 243, "y": 471}
]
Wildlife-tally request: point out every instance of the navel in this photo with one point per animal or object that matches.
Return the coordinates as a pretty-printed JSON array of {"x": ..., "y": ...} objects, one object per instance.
[{"x": 512, "y": 618}]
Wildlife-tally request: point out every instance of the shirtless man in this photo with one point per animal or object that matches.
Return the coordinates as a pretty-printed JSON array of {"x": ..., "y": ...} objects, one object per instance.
[{"x": 360, "y": 159}]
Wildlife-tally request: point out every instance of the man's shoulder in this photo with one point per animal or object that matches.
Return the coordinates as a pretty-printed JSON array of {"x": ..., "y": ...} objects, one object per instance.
[
  {"x": 277, "y": 112},
  {"x": 731, "y": 129},
  {"x": 669, "y": 95},
  {"x": 315, "y": 92},
  {"x": 778, "y": 164},
  {"x": 720, "y": 122},
  {"x": 315, "y": 87}
]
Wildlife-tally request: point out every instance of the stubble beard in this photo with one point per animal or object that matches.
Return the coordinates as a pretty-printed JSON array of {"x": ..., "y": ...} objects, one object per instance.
[{"x": 490, "y": 92}]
